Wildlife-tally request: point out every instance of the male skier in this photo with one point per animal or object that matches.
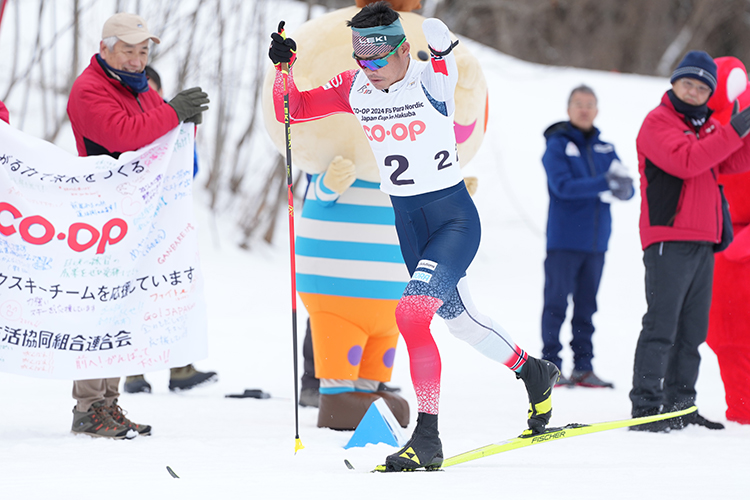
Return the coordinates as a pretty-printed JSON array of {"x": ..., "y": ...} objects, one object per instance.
[{"x": 406, "y": 110}]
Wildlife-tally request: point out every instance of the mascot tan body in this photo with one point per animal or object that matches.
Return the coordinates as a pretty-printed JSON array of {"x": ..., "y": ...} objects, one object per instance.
[{"x": 350, "y": 274}]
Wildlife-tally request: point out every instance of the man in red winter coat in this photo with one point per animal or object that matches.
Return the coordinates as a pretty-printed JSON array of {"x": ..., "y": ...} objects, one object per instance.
[
  {"x": 113, "y": 110},
  {"x": 681, "y": 152},
  {"x": 729, "y": 322}
]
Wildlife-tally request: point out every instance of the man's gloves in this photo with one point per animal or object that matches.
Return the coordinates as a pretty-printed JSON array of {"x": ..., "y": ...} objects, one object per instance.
[
  {"x": 740, "y": 121},
  {"x": 620, "y": 183},
  {"x": 189, "y": 103},
  {"x": 340, "y": 175},
  {"x": 197, "y": 119},
  {"x": 282, "y": 49}
]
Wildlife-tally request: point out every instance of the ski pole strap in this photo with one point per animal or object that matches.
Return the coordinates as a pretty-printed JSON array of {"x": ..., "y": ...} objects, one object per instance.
[{"x": 444, "y": 53}]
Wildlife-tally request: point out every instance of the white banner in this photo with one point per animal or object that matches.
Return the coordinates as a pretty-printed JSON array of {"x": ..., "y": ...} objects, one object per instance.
[{"x": 99, "y": 270}]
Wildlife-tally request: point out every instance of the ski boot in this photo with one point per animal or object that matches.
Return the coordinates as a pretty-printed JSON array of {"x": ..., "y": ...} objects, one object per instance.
[
  {"x": 423, "y": 450},
  {"x": 540, "y": 377}
]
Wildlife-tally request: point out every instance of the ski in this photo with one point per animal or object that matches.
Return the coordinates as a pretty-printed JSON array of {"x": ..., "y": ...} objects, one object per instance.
[{"x": 551, "y": 434}]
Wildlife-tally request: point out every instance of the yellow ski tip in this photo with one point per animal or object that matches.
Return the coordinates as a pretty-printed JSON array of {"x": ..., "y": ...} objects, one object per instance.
[{"x": 297, "y": 445}]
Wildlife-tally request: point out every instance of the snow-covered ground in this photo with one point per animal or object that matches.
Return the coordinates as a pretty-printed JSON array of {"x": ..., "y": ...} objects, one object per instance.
[{"x": 244, "y": 448}]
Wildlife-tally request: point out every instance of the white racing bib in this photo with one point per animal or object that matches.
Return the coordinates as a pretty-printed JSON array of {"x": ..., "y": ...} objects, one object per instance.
[{"x": 413, "y": 143}]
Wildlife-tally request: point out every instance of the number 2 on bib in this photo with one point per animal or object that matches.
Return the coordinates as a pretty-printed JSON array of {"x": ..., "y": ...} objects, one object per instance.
[{"x": 402, "y": 164}]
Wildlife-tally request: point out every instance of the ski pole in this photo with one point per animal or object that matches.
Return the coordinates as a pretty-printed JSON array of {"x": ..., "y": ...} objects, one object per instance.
[{"x": 290, "y": 195}]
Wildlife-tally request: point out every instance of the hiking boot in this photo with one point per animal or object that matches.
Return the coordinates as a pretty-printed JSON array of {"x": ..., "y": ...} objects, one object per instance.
[
  {"x": 187, "y": 377},
  {"x": 423, "y": 450},
  {"x": 136, "y": 383},
  {"x": 588, "y": 379},
  {"x": 97, "y": 422},
  {"x": 540, "y": 376},
  {"x": 118, "y": 415},
  {"x": 564, "y": 381},
  {"x": 662, "y": 426},
  {"x": 694, "y": 418},
  {"x": 309, "y": 396}
]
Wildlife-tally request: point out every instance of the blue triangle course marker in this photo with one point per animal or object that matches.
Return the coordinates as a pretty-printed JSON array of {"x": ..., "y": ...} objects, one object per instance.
[{"x": 379, "y": 425}]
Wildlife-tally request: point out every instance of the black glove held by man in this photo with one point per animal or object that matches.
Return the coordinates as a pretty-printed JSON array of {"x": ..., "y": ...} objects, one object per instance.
[
  {"x": 282, "y": 50},
  {"x": 189, "y": 103},
  {"x": 741, "y": 121}
]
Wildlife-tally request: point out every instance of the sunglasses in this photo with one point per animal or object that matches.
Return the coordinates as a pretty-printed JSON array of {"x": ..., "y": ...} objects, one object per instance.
[{"x": 376, "y": 64}]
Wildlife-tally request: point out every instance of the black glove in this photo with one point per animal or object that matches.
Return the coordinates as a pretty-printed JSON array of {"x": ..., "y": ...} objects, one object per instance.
[
  {"x": 189, "y": 103},
  {"x": 621, "y": 187},
  {"x": 741, "y": 121},
  {"x": 282, "y": 50}
]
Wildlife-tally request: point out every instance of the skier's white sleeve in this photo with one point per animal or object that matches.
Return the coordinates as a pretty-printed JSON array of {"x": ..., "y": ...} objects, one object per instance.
[{"x": 440, "y": 86}]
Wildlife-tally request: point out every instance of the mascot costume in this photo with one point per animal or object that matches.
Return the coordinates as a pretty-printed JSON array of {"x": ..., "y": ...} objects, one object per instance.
[
  {"x": 729, "y": 322},
  {"x": 350, "y": 273}
]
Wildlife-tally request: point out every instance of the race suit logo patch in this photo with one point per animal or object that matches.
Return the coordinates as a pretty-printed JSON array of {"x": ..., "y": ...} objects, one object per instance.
[
  {"x": 422, "y": 276},
  {"x": 427, "y": 264}
]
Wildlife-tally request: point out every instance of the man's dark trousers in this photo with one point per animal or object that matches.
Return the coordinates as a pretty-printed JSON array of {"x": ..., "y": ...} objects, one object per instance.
[
  {"x": 308, "y": 376},
  {"x": 679, "y": 276},
  {"x": 578, "y": 273}
]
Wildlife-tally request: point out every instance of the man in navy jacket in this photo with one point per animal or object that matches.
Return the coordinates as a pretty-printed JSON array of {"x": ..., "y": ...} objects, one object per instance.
[{"x": 584, "y": 175}]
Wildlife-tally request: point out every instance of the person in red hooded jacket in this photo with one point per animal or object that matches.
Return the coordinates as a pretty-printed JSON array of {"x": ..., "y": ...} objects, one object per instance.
[
  {"x": 113, "y": 110},
  {"x": 729, "y": 320},
  {"x": 682, "y": 150}
]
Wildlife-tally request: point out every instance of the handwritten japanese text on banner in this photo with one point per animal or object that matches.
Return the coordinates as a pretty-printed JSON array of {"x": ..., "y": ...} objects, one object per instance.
[{"x": 99, "y": 270}]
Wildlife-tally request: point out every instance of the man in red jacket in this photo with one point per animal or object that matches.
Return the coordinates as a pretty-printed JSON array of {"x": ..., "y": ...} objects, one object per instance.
[
  {"x": 112, "y": 110},
  {"x": 681, "y": 152}
]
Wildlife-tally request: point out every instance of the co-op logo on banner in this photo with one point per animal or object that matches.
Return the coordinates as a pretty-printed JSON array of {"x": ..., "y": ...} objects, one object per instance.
[{"x": 37, "y": 230}]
